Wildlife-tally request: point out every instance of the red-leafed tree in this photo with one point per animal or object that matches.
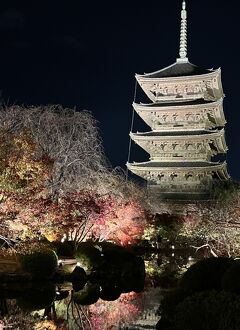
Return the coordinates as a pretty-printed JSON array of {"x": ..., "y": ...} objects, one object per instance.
[{"x": 121, "y": 221}]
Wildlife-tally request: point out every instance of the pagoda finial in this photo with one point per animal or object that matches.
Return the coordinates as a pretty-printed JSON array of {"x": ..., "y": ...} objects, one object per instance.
[{"x": 183, "y": 34}]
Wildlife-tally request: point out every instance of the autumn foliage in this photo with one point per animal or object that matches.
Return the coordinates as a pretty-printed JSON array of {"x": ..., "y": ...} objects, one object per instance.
[{"x": 52, "y": 182}]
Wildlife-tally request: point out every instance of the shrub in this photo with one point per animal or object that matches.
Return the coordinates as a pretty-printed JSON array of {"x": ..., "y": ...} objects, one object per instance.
[
  {"x": 88, "y": 256},
  {"x": 65, "y": 249},
  {"x": 169, "y": 303},
  {"x": 208, "y": 310},
  {"x": 231, "y": 278},
  {"x": 41, "y": 264},
  {"x": 109, "y": 293},
  {"x": 205, "y": 275}
]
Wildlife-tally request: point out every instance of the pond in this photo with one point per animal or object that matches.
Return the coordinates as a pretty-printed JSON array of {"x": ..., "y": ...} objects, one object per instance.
[{"x": 123, "y": 292}]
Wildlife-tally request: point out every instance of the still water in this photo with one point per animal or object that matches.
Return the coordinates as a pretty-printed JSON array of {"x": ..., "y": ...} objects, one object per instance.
[{"x": 113, "y": 302}]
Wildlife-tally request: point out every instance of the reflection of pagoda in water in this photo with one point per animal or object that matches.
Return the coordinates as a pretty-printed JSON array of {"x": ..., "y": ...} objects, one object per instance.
[{"x": 186, "y": 120}]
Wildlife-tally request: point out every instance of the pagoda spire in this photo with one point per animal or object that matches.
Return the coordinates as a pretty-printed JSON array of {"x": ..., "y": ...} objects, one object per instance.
[{"x": 183, "y": 34}]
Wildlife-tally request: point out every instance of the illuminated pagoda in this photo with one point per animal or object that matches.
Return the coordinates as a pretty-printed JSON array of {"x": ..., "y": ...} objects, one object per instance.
[{"x": 187, "y": 128}]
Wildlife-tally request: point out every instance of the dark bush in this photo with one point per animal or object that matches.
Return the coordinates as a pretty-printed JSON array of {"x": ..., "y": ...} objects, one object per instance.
[
  {"x": 110, "y": 293},
  {"x": 208, "y": 310},
  {"x": 169, "y": 303},
  {"x": 65, "y": 249},
  {"x": 114, "y": 254},
  {"x": 231, "y": 278},
  {"x": 78, "y": 278},
  {"x": 41, "y": 264},
  {"x": 88, "y": 256},
  {"x": 205, "y": 275},
  {"x": 132, "y": 275}
]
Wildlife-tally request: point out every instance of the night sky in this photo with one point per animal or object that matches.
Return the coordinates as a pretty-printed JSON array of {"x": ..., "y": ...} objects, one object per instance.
[{"x": 86, "y": 53}]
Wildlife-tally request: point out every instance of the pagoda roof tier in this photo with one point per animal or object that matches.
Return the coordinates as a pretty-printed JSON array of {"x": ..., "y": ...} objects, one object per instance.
[
  {"x": 145, "y": 168},
  {"x": 186, "y": 85},
  {"x": 196, "y": 114},
  {"x": 177, "y": 69},
  {"x": 171, "y": 144}
]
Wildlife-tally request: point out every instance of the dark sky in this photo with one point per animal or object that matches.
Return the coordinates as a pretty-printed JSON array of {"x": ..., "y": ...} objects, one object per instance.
[{"x": 85, "y": 54}]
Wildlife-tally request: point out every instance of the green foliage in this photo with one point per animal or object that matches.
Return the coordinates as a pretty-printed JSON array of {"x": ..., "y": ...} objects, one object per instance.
[
  {"x": 205, "y": 275},
  {"x": 40, "y": 263},
  {"x": 167, "y": 276},
  {"x": 208, "y": 310},
  {"x": 163, "y": 226}
]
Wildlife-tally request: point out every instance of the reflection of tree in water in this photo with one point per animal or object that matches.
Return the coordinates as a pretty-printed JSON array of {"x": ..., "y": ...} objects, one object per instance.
[
  {"x": 12, "y": 317},
  {"x": 69, "y": 315},
  {"x": 79, "y": 316},
  {"x": 103, "y": 315},
  {"x": 106, "y": 315}
]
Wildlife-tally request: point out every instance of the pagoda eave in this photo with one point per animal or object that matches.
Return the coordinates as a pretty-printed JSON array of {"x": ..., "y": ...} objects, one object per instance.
[
  {"x": 145, "y": 78},
  {"x": 169, "y": 135},
  {"x": 157, "y": 166},
  {"x": 179, "y": 106}
]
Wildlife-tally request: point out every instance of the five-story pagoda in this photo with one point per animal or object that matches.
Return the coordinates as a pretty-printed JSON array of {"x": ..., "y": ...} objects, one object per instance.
[{"x": 186, "y": 120}]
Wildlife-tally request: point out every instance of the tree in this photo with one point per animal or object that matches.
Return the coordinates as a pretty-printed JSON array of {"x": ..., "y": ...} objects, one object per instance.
[
  {"x": 67, "y": 138},
  {"x": 215, "y": 225},
  {"x": 55, "y": 181}
]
